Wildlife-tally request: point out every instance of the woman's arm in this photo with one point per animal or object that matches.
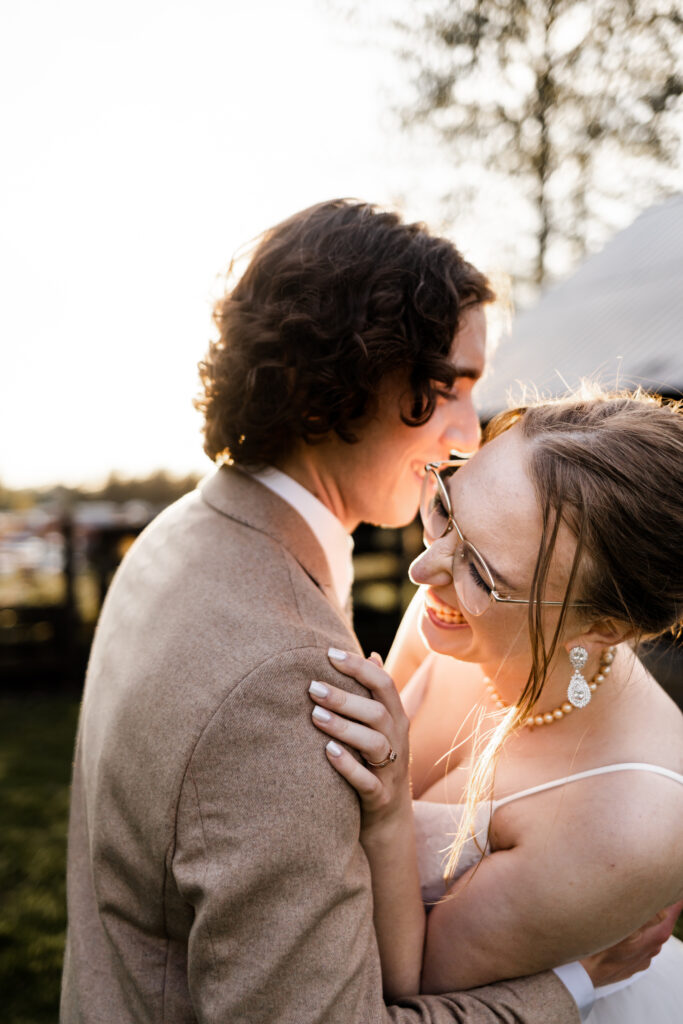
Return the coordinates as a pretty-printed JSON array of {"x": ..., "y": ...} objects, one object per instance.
[
  {"x": 589, "y": 864},
  {"x": 374, "y": 727},
  {"x": 577, "y": 869},
  {"x": 398, "y": 913}
]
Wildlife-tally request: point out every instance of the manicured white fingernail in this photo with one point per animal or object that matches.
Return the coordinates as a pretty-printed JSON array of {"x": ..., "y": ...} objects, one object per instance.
[
  {"x": 321, "y": 714},
  {"x": 318, "y": 689},
  {"x": 334, "y": 748},
  {"x": 336, "y": 654}
]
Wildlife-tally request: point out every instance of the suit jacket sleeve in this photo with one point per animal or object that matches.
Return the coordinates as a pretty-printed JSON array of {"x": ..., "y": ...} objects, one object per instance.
[{"x": 267, "y": 854}]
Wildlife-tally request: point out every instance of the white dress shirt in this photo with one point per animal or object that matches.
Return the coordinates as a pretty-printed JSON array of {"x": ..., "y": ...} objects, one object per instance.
[
  {"x": 576, "y": 980},
  {"x": 331, "y": 535}
]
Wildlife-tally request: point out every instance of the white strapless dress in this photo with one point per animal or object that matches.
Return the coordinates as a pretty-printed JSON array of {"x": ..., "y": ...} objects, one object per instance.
[{"x": 654, "y": 996}]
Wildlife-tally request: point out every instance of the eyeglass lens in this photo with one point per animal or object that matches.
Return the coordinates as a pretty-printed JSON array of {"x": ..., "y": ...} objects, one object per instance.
[
  {"x": 471, "y": 579},
  {"x": 434, "y": 512}
]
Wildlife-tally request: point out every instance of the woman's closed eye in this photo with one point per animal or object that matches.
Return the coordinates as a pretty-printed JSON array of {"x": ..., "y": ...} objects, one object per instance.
[
  {"x": 439, "y": 507},
  {"x": 477, "y": 577}
]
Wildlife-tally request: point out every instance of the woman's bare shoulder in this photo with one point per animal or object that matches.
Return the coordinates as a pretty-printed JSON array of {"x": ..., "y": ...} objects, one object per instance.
[
  {"x": 623, "y": 814},
  {"x": 614, "y": 807}
]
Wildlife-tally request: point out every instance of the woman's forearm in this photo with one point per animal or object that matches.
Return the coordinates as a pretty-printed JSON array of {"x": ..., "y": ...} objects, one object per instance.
[
  {"x": 399, "y": 915},
  {"x": 377, "y": 728}
]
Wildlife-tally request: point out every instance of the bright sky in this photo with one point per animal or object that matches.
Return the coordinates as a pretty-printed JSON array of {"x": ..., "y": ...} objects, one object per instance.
[{"x": 144, "y": 142}]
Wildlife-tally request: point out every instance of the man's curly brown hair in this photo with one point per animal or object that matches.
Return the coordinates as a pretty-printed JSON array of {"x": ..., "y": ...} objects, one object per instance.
[{"x": 334, "y": 299}]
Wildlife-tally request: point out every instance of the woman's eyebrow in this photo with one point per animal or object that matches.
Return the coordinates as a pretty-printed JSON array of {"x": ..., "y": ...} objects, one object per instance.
[{"x": 498, "y": 576}]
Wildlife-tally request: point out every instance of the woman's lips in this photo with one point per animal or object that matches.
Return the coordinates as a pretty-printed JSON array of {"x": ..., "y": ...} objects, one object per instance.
[{"x": 442, "y": 614}]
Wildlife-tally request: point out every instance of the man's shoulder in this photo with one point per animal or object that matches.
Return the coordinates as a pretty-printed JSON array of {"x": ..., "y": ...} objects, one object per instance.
[
  {"x": 194, "y": 555},
  {"x": 231, "y": 529},
  {"x": 202, "y": 603}
]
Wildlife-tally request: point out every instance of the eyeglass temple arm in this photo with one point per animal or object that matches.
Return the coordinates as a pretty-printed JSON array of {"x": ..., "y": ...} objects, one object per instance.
[{"x": 524, "y": 600}]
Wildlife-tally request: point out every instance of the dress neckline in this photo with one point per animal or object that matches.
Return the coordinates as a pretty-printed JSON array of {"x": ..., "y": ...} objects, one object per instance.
[{"x": 555, "y": 783}]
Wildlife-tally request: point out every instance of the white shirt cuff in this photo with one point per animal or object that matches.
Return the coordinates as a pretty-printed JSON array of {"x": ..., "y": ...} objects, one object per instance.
[{"x": 576, "y": 980}]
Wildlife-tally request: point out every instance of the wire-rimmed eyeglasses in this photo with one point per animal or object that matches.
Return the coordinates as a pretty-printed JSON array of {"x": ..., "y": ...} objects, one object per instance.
[{"x": 472, "y": 579}]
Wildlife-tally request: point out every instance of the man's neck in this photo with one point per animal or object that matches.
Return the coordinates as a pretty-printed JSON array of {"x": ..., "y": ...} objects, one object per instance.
[{"x": 307, "y": 467}]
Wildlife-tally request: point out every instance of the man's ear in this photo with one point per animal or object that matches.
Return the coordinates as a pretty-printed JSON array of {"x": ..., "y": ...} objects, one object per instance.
[{"x": 601, "y": 633}]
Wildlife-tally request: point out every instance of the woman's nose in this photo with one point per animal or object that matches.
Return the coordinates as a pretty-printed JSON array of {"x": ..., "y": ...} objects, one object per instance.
[{"x": 432, "y": 567}]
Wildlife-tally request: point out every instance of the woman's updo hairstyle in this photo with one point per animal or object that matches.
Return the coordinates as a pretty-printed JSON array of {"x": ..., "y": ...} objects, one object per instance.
[{"x": 609, "y": 466}]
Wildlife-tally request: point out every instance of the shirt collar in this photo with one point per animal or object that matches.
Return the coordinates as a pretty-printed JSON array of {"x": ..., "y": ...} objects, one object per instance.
[{"x": 331, "y": 535}]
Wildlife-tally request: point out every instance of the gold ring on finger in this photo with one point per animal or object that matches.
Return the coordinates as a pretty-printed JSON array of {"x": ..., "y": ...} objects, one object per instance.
[{"x": 389, "y": 759}]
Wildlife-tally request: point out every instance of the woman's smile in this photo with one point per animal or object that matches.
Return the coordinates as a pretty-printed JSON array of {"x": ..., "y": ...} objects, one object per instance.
[{"x": 442, "y": 614}]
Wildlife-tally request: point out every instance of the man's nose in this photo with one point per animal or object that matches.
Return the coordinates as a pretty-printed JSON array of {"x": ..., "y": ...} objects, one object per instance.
[{"x": 463, "y": 431}]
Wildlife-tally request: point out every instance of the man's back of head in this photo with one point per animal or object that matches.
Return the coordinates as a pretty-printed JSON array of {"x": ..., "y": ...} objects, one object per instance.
[{"x": 335, "y": 300}]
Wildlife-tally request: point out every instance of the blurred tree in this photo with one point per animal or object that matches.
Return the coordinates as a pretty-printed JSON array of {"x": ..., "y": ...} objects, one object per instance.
[
  {"x": 159, "y": 488},
  {"x": 571, "y": 101}
]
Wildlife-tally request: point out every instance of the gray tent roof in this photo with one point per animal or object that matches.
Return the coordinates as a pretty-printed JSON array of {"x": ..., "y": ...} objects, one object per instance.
[{"x": 619, "y": 317}]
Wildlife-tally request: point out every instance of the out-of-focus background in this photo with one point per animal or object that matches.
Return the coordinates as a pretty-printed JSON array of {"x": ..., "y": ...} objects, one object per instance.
[{"x": 145, "y": 145}]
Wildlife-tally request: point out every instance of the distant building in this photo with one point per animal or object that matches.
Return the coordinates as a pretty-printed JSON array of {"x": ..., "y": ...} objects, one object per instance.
[{"x": 618, "y": 318}]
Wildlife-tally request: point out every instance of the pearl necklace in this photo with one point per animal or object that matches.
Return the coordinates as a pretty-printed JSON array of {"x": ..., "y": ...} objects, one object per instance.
[{"x": 564, "y": 709}]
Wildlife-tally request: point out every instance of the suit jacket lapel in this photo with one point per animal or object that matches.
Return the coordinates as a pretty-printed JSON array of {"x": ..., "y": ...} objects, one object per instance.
[{"x": 235, "y": 493}]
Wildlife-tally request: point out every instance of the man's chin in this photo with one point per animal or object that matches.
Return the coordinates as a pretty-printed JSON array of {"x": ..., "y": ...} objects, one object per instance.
[
  {"x": 398, "y": 509},
  {"x": 397, "y": 521}
]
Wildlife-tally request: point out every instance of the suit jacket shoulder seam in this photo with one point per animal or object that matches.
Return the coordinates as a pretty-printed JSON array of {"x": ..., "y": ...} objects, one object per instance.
[{"x": 209, "y": 722}]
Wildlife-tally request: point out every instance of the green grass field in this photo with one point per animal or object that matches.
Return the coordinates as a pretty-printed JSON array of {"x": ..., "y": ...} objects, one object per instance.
[{"x": 36, "y": 741}]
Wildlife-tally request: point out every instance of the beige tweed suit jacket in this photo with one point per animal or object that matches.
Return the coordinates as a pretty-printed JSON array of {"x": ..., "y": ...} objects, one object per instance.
[{"x": 214, "y": 869}]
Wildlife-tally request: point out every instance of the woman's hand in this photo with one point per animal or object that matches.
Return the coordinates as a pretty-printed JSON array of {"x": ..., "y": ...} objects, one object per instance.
[{"x": 377, "y": 727}]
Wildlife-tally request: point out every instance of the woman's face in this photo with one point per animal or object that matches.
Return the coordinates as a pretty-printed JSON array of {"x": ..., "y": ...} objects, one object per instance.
[{"x": 495, "y": 506}]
